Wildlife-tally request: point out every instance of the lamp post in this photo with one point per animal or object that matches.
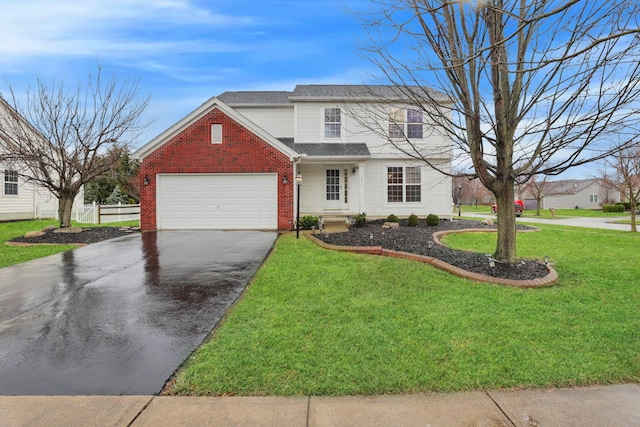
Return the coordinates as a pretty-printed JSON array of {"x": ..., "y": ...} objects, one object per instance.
[
  {"x": 298, "y": 182},
  {"x": 459, "y": 198}
]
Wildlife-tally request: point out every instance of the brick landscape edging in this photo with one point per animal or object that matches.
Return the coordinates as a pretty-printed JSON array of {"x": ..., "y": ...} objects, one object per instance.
[{"x": 548, "y": 280}]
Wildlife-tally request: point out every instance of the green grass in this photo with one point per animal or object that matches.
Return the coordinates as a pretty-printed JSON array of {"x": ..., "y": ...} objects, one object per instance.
[
  {"x": 318, "y": 322},
  {"x": 10, "y": 255},
  {"x": 589, "y": 213}
]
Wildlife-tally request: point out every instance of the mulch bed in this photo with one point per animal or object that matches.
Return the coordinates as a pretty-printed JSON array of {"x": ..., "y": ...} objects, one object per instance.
[
  {"x": 87, "y": 236},
  {"x": 415, "y": 240}
]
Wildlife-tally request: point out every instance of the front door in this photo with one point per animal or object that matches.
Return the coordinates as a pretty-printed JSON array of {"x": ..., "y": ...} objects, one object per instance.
[{"x": 333, "y": 190}]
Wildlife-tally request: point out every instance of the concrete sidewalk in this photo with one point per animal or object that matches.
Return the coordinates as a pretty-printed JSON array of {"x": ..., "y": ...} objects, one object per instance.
[
  {"x": 617, "y": 405},
  {"x": 603, "y": 223}
]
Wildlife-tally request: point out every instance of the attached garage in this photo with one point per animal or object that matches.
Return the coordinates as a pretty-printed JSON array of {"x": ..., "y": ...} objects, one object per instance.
[{"x": 217, "y": 201}]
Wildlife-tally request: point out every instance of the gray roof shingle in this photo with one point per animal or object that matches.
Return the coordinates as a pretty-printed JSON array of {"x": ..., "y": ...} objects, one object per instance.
[
  {"x": 255, "y": 97},
  {"x": 326, "y": 92},
  {"x": 331, "y": 149}
]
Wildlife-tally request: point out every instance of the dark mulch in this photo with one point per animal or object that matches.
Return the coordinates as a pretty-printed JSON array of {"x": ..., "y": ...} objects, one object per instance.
[
  {"x": 87, "y": 236},
  {"x": 415, "y": 240}
]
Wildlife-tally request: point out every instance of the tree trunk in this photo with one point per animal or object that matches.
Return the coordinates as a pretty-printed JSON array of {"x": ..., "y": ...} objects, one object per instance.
[
  {"x": 538, "y": 203},
  {"x": 633, "y": 217},
  {"x": 65, "y": 205},
  {"x": 506, "y": 246}
]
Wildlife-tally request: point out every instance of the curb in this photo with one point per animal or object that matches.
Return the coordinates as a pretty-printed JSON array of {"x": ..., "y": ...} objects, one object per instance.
[{"x": 550, "y": 279}]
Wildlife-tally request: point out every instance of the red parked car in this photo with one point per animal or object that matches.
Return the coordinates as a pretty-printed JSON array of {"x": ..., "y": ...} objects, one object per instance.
[{"x": 517, "y": 204}]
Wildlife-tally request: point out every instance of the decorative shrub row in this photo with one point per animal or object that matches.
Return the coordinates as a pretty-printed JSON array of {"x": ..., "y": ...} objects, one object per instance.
[
  {"x": 308, "y": 221},
  {"x": 627, "y": 205},
  {"x": 613, "y": 208},
  {"x": 432, "y": 220}
]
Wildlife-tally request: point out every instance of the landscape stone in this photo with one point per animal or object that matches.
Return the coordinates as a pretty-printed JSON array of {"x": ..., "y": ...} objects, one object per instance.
[
  {"x": 68, "y": 230},
  {"x": 32, "y": 234},
  {"x": 49, "y": 228},
  {"x": 390, "y": 225},
  {"x": 487, "y": 222}
]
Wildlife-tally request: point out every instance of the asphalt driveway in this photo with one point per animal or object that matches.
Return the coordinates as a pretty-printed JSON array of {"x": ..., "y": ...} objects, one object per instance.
[{"x": 119, "y": 316}]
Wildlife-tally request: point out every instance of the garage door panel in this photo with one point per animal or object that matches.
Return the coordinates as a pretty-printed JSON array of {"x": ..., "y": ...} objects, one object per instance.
[{"x": 222, "y": 201}]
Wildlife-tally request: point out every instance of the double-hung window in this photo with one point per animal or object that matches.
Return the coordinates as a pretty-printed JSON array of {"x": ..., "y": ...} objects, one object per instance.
[
  {"x": 405, "y": 123},
  {"x": 593, "y": 198},
  {"x": 404, "y": 184},
  {"x": 10, "y": 183},
  {"x": 332, "y": 123}
]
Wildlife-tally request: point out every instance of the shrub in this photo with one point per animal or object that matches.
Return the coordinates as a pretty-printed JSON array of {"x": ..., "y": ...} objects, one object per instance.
[
  {"x": 308, "y": 221},
  {"x": 626, "y": 205},
  {"x": 360, "y": 220},
  {"x": 613, "y": 208},
  {"x": 413, "y": 220},
  {"x": 393, "y": 218},
  {"x": 433, "y": 220}
]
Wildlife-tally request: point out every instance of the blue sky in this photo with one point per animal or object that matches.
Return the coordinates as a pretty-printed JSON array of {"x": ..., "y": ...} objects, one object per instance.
[
  {"x": 182, "y": 51},
  {"x": 185, "y": 51}
]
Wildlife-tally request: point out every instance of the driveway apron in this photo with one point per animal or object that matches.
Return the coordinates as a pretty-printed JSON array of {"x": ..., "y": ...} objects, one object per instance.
[{"x": 119, "y": 316}]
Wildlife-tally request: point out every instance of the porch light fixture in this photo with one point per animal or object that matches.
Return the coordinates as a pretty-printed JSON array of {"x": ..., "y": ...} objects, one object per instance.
[
  {"x": 146, "y": 180},
  {"x": 298, "y": 182},
  {"x": 285, "y": 180}
]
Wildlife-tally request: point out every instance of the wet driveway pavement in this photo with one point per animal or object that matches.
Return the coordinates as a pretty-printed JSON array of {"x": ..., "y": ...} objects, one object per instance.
[{"x": 119, "y": 316}]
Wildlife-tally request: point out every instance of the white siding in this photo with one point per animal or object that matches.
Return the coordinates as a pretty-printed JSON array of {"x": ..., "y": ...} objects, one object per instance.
[
  {"x": 278, "y": 121},
  {"x": 363, "y": 124},
  {"x": 16, "y": 207},
  {"x": 580, "y": 199},
  {"x": 371, "y": 178},
  {"x": 436, "y": 192}
]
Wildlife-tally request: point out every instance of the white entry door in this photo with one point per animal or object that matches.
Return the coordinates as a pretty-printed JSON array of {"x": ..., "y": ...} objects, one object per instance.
[{"x": 336, "y": 189}]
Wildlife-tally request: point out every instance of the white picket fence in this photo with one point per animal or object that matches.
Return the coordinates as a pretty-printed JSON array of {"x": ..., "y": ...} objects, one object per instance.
[{"x": 92, "y": 213}]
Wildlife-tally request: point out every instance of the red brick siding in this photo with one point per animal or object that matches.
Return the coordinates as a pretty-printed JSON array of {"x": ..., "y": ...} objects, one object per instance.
[{"x": 191, "y": 151}]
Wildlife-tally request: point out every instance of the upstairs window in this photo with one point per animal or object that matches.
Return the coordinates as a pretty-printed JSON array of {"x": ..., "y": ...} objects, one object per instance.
[
  {"x": 405, "y": 123},
  {"x": 404, "y": 184},
  {"x": 10, "y": 183},
  {"x": 332, "y": 123},
  {"x": 216, "y": 134}
]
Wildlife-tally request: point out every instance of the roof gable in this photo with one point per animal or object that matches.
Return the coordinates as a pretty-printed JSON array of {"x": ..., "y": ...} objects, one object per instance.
[{"x": 196, "y": 114}]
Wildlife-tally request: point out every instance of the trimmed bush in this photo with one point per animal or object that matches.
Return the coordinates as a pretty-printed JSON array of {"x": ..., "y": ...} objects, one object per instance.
[
  {"x": 308, "y": 221},
  {"x": 393, "y": 218},
  {"x": 627, "y": 205},
  {"x": 413, "y": 220},
  {"x": 613, "y": 208},
  {"x": 360, "y": 220},
  {"x": 433, "y": 220}
]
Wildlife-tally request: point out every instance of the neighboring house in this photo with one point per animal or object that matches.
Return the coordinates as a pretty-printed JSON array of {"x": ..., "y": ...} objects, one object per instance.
[
  {"x": 572, "y": 193},
  {"x": 232, "y": 163},
  {"x": 20, "y": 198}
]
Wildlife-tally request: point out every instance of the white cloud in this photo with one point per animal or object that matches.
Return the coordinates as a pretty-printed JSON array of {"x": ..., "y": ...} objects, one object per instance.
[{"x": 115, "y": 28}]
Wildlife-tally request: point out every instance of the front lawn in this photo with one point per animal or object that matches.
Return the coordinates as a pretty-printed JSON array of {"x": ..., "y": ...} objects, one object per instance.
[
  {"x": 10, "y": 255},
  {"x": 318, "y": 322},
  {"x": 589, "y": 213}
]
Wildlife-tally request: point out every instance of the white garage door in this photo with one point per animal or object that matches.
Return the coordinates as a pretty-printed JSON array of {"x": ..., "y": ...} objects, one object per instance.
[{"x": 217, "y": 201}]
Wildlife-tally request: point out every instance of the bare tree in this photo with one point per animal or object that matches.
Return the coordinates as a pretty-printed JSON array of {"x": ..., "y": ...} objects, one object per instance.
[
  {"x": 607, "y": 188},
  {"x": 626, "y": 178},
  {"x": 539, "y": 188},
  {"x": 472, "y": 190},
  {"x": 60, "y": 139},
  {"x": 534, "y": 86}
]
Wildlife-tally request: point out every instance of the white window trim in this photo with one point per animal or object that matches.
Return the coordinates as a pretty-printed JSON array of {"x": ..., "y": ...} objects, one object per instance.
[
  {"x": 216, "y": 133},
  {"x": 386, "y": 202},
  {"x": 323, "y": 136},
  {"x": 4, "y": 182},
  {"x": 404, "y": 125},
  {"x": 593, "y": 198}
]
